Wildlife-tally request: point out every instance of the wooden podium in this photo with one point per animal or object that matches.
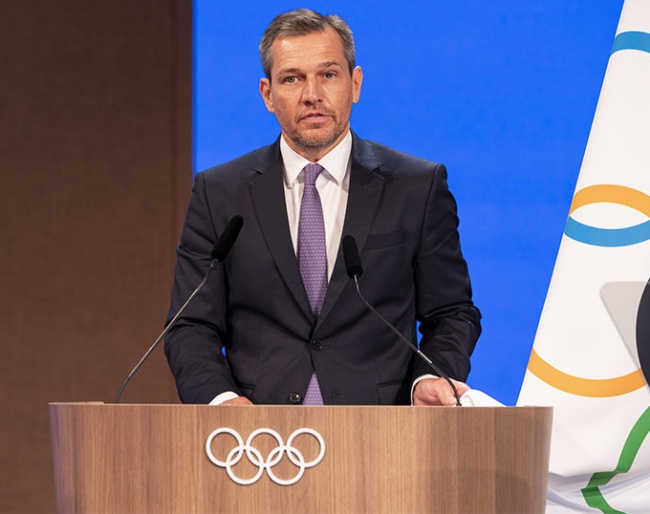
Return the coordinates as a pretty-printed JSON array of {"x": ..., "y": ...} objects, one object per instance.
[{"x": 154, "y": 458}]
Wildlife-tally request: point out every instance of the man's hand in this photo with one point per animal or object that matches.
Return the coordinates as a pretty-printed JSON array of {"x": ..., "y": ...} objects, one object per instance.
[
  {"x": 240, "y": 400},
  {"x": 436, "y": 391}
]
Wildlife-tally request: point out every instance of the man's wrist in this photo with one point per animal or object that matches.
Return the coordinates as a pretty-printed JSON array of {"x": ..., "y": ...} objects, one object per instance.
[{"x": 417, "y": 381}]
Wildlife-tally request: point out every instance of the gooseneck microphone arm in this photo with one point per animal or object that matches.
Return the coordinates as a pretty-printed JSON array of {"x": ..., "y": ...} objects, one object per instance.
[
  {"x": 219, "y": 253},
  {"x": 354, "y": 271},
  {"x": 164, "y": 332}
]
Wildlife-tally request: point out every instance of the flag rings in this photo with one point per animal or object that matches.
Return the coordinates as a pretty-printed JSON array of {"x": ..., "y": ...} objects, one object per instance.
[{"x": 272, "y": 459}]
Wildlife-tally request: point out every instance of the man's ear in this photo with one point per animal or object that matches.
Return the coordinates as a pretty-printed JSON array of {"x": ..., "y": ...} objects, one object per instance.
[
  {"x": 357, "y": 79},
  {"x": 265, "y": 91}
]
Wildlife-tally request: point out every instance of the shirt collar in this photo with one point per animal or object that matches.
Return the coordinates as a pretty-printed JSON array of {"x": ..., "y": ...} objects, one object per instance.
[{"x": 335, "y": 161}]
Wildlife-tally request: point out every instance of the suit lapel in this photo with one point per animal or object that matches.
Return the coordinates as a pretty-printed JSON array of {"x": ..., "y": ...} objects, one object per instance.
[
  {"x": 366, "y": 188},
  {"x": 267, "y": 192}
]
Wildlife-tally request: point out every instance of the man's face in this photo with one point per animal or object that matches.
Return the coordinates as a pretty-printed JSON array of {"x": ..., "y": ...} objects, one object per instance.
[{"x": 311, "y": 91}]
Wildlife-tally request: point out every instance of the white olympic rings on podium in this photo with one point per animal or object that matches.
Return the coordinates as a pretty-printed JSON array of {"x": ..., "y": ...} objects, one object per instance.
[{"x": 272, "y": 459}]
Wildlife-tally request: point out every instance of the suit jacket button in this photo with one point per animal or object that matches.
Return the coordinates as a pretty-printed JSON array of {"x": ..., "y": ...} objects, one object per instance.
[
  {"x": 317, "y": 345},
  {"x": 295, "y": 398}
]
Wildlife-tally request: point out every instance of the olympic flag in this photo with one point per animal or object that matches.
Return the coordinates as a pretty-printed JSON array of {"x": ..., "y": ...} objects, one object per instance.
[{"x": 591, "y": 355}]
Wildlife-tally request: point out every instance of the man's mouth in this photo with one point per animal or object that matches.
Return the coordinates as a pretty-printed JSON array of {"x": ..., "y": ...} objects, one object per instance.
[{"x": 315, "y": 116}]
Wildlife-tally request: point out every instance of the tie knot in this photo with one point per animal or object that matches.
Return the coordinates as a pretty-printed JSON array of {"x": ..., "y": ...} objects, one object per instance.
[{"x": 312, "y": 171}]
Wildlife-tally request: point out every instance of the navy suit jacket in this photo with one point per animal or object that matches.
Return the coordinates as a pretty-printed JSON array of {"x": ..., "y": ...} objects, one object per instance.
[{"x": 403, "y": 217}]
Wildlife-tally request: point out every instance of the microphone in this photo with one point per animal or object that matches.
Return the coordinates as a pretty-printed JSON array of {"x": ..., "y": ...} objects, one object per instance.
[
  {"x": 219, "y": 253},
  {"x": 355, "y": 270},
  {"x": 227, "y": 239}
]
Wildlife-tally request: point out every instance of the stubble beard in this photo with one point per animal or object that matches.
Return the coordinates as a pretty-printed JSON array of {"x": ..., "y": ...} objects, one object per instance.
[
  {"x": 311, "y": 142},
  {"x": 316, "y": 143}
]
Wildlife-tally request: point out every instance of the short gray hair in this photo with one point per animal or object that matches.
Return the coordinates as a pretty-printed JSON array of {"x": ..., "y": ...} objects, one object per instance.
[{"x": 299, "y": 23}]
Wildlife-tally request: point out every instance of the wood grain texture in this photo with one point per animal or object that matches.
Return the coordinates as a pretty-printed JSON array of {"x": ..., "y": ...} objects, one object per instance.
[{"x": 151, "y": 458}]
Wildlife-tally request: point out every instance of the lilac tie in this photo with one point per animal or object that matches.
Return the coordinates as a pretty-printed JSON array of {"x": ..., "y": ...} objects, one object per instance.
[{"x": 312, "y": 258}]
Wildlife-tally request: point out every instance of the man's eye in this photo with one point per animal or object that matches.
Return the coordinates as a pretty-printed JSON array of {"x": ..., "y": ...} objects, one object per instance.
[
  {"x": 289, "y": 80},
  {"x": 330, "y": 75}
]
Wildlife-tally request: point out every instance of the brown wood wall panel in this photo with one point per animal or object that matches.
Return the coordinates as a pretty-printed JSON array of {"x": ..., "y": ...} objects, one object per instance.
[{"x": 95, "y": 160}]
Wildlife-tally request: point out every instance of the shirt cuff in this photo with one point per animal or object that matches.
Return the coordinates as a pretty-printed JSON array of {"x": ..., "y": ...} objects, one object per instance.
[
  {"x": 417, "y": 381},
  {"x": 223, "y": 397}
]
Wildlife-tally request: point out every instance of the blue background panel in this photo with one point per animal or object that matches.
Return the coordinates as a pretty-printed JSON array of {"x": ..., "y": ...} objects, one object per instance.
[{"x": 503, "y": 93}]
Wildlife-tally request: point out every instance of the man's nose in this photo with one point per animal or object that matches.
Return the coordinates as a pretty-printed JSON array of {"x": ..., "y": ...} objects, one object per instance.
[{"x": 312, "y": 91}]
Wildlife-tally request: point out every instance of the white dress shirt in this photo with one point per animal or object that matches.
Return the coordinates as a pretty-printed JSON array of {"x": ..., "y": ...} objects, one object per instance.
[{"x": 333, "y": 185}]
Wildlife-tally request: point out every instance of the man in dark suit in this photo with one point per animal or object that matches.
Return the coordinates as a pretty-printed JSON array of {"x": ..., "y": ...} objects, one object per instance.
[{"x": 283, "y": 345}]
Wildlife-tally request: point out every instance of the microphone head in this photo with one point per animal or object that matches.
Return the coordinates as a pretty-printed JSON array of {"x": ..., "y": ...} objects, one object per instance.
[
  {"x": 351, "y": 257},
  {"x": 227, "y": 239}
]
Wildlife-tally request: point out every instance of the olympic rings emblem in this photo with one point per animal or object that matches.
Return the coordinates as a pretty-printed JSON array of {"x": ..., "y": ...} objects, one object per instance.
[{"x": 272, "y": 459}]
